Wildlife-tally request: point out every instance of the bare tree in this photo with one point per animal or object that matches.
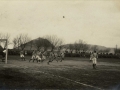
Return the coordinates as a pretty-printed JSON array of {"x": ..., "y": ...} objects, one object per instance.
[
  {"x": 76, "y": 46},
  {"x": 31, "y": 44},
  {"x": 24, "y": 39},
  {"x": 81, "y": 45},
  {"x": 55, "y": 41},
  {"x": 21, "y": 41},
  {"x": 60, "y": 44},
  {"x": 16, "y": 42},
  {"x": 46, "y": 44},
  {"x": 94, "y": 48},
  {"x": 71, "y": 47},
  {"x": 85, "y": 46}
]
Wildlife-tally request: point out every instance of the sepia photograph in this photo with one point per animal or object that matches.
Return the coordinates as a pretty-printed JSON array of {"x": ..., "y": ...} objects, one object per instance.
[{"x": 60, "y": 44}]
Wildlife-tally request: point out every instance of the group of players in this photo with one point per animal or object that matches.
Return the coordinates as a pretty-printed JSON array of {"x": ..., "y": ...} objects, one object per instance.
[{"x": 41, "y": 56}]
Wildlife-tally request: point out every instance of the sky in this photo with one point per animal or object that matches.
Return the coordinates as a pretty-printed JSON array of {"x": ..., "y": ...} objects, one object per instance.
[{"x": 94, "y": 21}]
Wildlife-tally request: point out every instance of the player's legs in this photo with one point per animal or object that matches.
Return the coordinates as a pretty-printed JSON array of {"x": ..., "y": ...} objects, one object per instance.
[
  {"x": 50, "y": 59},
  {"x": 43, "y": 58},
  {"x": 90, "y": 58},
  {"x": 62, "y": 58},
  {"x": 39, "y": 59},
  {"x": 21, "y": 56},
  {"x": 94, "y": 63},
  {"x": 55, "y": 58},
  {"x": 31, "y": 58},
  {"x": 36, "y": 58},
  {"x": 58, "y": 58}
]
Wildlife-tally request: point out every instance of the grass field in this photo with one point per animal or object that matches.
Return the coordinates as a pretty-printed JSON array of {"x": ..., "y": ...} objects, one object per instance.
[{"x": 72, "y": 73}]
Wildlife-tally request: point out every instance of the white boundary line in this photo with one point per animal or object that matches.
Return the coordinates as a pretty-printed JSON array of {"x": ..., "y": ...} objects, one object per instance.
[{"x": 71, "y": 80}]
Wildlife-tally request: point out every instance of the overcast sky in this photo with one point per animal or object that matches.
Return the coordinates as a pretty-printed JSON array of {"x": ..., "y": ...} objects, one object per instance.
[{"x": 94, "y": 21}]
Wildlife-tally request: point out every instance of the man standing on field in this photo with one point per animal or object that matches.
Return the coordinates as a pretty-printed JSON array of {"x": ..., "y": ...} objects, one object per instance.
[
  {"x": 22, "y": 55},
  {"x": 62, "y": 56},
  {"x": 94, "y": 59},
  {"x": 51, "y": 57},
  {"x": 38, "y": 53},
  {"x": 33, "y": 56}
]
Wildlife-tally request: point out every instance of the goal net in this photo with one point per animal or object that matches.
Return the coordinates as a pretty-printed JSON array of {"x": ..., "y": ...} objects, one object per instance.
[{"x": 4, "y": 49}]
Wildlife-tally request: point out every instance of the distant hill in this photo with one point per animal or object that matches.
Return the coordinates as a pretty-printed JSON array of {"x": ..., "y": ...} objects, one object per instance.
[{"x": 99, "y": 48}]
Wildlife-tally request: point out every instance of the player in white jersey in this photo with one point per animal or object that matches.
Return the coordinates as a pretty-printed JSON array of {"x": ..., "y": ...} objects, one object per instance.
[
  {"x": 22, "y": 55},
  {"x": 38, "y": 56},
  {"x": 51, "y": 57},
  {"x": 94, "y": 59},
  {"x": 62, "y": 56},
  {"x": 58, "y": 56},
  {"x": 33, "y": 56},
  {"x": 43, "y": 57}
]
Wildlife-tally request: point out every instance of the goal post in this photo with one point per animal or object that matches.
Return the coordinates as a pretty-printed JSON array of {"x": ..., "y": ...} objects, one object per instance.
[{"x": 6, "y": 47}]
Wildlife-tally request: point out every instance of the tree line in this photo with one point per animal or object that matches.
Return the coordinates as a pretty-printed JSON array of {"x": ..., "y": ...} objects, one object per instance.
[{"x": 49, "y": 41}]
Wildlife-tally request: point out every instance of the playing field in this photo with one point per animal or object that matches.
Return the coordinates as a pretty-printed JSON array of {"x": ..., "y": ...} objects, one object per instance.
[{"x": 72, "y": 73}]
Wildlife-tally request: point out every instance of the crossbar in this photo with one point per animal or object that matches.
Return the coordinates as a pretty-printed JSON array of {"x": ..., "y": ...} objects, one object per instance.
[{"x": 3, "y": 39}]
